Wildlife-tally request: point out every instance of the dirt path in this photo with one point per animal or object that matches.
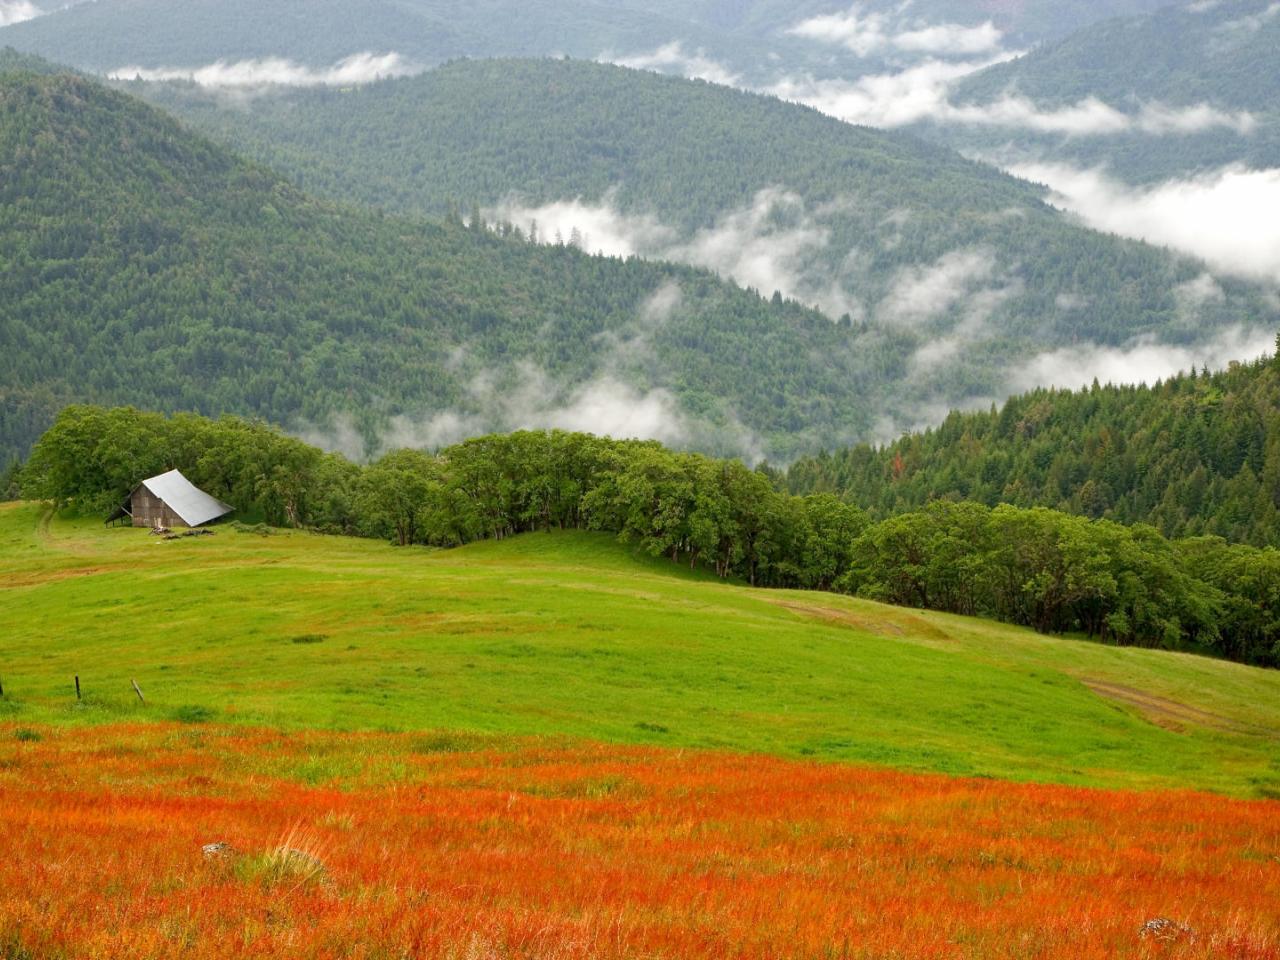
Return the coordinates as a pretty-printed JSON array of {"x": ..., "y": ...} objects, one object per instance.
[
  {"x": 896, "y": 624},
  {"x": 1172, "y": 715}
]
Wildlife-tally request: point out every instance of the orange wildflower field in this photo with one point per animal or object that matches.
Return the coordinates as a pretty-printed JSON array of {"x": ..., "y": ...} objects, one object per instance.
[{"x": 335, "y": 845}]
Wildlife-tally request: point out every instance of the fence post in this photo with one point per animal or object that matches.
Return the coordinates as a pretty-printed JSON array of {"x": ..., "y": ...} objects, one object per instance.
[
  {"x": 138, "y": 690},
  {"x": 77, "y": 686}
]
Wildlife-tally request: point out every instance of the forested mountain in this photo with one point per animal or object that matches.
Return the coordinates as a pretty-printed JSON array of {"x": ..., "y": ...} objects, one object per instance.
[
  {"x": 1221, "y": 55},
  {"x": 960, "y": 270},
  {"x": 141, "y": 263},
  {"x": 1196, "y": 454},
  {"x": 751, "y": 38}
]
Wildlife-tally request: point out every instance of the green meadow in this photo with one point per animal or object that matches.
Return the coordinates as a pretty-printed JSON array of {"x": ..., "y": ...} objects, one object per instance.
[{"x": 573, "y": 634}]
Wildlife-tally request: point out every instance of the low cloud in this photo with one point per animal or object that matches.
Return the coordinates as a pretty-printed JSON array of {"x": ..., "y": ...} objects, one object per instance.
[
  {"x": 866, "y": 34},
  {"x": 17, "y": 11},
  {"x": 922, "y": 93},
  {"x": 1141, "y": 361},
  {"x": 594, "y": 227},
  {"x": 1230, "y": 219},
  {"x": 276, "y": 71},
  {"x": 921, "y": 293},
  {"x": 769, "y": 245},
  {"x": 880, "y": 100},
  {"x": 673, "y": 58},
  {"x": 1231, "y": 34},
  {"x": 525, "y": 396}
]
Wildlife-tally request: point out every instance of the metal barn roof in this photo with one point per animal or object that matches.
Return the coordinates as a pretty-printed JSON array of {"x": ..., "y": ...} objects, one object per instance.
[{"x": 184, "y": 498}]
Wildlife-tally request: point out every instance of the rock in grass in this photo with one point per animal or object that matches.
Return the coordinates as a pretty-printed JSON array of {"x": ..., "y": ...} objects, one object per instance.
[
  {"x": 217, "y": 851},
  {"x": 1164, "y": 930}
]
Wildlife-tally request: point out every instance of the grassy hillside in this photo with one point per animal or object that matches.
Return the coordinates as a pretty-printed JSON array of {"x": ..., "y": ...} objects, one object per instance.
[
  {"x": 1182, "y": 55},
  {"x": 143, "y": 264},
  {"x": 952, "y": 272},
  {"x": 569, "y": 634}
]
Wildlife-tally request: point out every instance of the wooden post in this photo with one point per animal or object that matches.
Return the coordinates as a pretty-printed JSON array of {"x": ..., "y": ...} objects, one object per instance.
[
  {"x": 138, "y": 690},
  {"x": 1, "y": 689},
  {"x": 77, "y": 686}
]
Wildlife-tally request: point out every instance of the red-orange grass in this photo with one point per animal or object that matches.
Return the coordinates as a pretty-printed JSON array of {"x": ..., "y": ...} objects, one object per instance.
[{"x": 589, "y": 851}]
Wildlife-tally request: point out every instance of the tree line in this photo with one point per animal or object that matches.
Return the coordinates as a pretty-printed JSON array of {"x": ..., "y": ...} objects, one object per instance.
[{"x": 1033, "y": 566}]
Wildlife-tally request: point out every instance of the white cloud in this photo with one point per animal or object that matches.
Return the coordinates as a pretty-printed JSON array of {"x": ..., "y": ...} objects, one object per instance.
[
  {"x": 612, "y": 408},
  {"x": 1230, "y": 218},
  {"x": 1158, "y": 119},
  {"x": 879, "y": 100},
  {"x": 870, "y": 33},
  {"x": 1142, "y": 361},
  {"x": 922, "y": 92},
  {"x": 672, "y": 57},
  {"x": 600, "y": 227},
  {"x": 951, "y": 39},
  {"x": 661, "y": 306},
  {"x": 17, "y": 11},
  {"x": 277, "y": 71},
  {"x": 1224, "y": 39},
  {"x": 769, "y": 245},
  {"x": 1251, "y": 23},
  {"x": 525, "y": 399},
  {"x": 923, "y": 292}
]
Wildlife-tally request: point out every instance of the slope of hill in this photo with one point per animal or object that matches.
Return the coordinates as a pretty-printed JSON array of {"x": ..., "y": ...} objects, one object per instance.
[
  {"x": 959, "y": 269},
  {"x": 143, "y": 264},
  {"x": 1216, "y": 55},
  {"x": 1196, "y": 454},
  {"x": 300, "y": 630}
]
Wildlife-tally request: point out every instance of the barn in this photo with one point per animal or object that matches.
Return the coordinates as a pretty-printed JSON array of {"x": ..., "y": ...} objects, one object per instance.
[{"x": 169, "y": 500}]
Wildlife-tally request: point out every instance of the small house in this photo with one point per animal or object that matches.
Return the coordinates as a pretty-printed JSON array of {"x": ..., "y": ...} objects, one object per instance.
[{"x": 169, "y": 500}]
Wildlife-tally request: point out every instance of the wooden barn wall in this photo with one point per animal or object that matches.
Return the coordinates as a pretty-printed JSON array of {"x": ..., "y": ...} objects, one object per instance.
[{"x": 150, "y": 511}]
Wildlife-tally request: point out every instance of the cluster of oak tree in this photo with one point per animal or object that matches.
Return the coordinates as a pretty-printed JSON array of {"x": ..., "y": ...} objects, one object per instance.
[{"x": 1038, "y": 567}]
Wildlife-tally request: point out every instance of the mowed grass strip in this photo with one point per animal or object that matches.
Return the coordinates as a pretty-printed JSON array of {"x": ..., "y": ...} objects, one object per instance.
[
  {"x": 572, "y": 634},
  {"x": 332, "y": 845}
]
